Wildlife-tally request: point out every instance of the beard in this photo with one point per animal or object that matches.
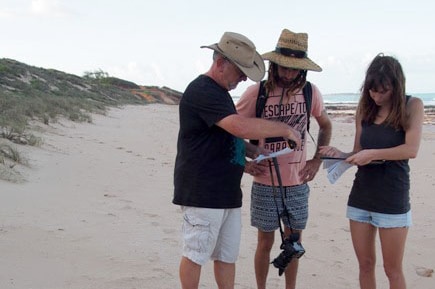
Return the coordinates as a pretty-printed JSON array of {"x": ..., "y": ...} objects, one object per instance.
[
  {"x": 232, "y": 85},
  {"x": 285, "y": 83}
]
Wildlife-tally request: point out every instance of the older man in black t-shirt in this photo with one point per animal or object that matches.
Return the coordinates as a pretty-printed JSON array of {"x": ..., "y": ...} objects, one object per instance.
[{"x": 211, "y": 156}]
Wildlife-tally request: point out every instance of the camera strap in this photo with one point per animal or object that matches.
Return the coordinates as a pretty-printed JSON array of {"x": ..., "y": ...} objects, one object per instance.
[{"x": 281, "y": 188}]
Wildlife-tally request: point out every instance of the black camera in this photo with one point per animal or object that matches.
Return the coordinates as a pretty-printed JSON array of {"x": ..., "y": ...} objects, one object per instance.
[{"x": 291, "y": 248}]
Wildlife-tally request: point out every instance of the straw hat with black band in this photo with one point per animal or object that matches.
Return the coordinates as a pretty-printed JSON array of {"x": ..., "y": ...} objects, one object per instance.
[
  {"x": 241, "y": 51},
  {"x": 291, "y": 52}
]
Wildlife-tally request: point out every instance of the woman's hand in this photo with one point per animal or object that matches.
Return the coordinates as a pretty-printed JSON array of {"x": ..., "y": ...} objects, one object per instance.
[
  {"x": 361, "y": 158},
  {"x": 331, "y": 151}
]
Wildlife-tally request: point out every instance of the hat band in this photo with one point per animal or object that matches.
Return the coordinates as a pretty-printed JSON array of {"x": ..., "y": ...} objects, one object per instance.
[{"x": 291, "y": 52}]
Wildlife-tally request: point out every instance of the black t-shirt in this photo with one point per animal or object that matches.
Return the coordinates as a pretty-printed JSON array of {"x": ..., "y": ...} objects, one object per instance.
[
  {"x": 210, "y": 161},
  {"x": 382, "y": 188}
]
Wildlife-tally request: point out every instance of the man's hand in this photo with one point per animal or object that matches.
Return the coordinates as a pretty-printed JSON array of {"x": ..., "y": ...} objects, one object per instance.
[
  {"x": 255, "y": 169},
  {"x": 310, "y": 170},
  {"x": 294, "y": 138}
]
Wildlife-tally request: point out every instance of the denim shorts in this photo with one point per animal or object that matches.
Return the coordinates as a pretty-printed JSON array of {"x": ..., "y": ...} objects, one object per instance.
[
  {"x": 267, "y": 202},
  {"x": 380, "y": 220},
  {"x": 211, "y": 234}
]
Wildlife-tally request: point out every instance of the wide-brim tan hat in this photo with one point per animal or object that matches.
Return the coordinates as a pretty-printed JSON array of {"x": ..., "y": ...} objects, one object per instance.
[
  {"x": 242, "y": 52},
  {"x": 291, "y": 52}
]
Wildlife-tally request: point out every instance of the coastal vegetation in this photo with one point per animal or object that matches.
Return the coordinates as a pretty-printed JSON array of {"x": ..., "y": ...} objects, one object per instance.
[{"x": 33, "y": 97}]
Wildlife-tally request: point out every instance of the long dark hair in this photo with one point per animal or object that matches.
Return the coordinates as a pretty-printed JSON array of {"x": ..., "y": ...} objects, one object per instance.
[
  {"x": 273, "y": 78},
  {"x": 384, "y": 72}
]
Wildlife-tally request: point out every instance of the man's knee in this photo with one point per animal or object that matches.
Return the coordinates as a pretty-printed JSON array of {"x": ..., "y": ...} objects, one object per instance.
[{"x": 265, "y": 241}]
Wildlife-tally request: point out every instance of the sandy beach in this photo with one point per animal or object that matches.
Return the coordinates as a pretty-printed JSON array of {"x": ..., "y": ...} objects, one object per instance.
[{"x": 95, "y": 212}]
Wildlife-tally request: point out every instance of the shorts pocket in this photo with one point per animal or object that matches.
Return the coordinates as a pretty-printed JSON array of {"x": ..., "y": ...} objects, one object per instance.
[{"x": 197, "y": 234}]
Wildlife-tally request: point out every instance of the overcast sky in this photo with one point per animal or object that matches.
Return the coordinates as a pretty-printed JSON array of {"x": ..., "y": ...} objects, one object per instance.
[{"x": 157, "y": 42}]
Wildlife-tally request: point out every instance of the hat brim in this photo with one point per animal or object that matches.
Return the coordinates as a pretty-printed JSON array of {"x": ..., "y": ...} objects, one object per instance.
[
  {"x": 255, "y": 72},
  {"x": 292, "y": 62}
]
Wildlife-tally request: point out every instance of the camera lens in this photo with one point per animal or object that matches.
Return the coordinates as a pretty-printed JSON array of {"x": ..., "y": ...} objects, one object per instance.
[{"x": 290, "y": 249}]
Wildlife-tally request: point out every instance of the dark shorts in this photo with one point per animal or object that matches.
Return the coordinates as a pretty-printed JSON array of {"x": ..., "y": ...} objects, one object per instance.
[{"x": 264, "y": 204}]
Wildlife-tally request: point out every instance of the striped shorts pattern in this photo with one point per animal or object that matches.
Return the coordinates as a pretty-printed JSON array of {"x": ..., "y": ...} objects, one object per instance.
[{"x": 264, "y": 215}]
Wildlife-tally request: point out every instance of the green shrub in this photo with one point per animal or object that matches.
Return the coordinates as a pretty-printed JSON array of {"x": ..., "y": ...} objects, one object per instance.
[{"x": 8, "y": 152}]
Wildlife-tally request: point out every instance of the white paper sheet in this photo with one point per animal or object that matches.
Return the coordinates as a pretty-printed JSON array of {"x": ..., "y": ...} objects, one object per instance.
[
  {"x": 335, "y": 169},
  {"x": 272, "y": 155}
]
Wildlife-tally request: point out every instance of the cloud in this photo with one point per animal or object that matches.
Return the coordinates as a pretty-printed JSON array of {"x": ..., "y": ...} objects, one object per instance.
[
  {"x": 130, "y": 71},
  {"x": 150, "y": 74},
  {"x": 52, "y": 8},
  {"x": 6, "y": 13},
  {"x": 200, "y": 66}
]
